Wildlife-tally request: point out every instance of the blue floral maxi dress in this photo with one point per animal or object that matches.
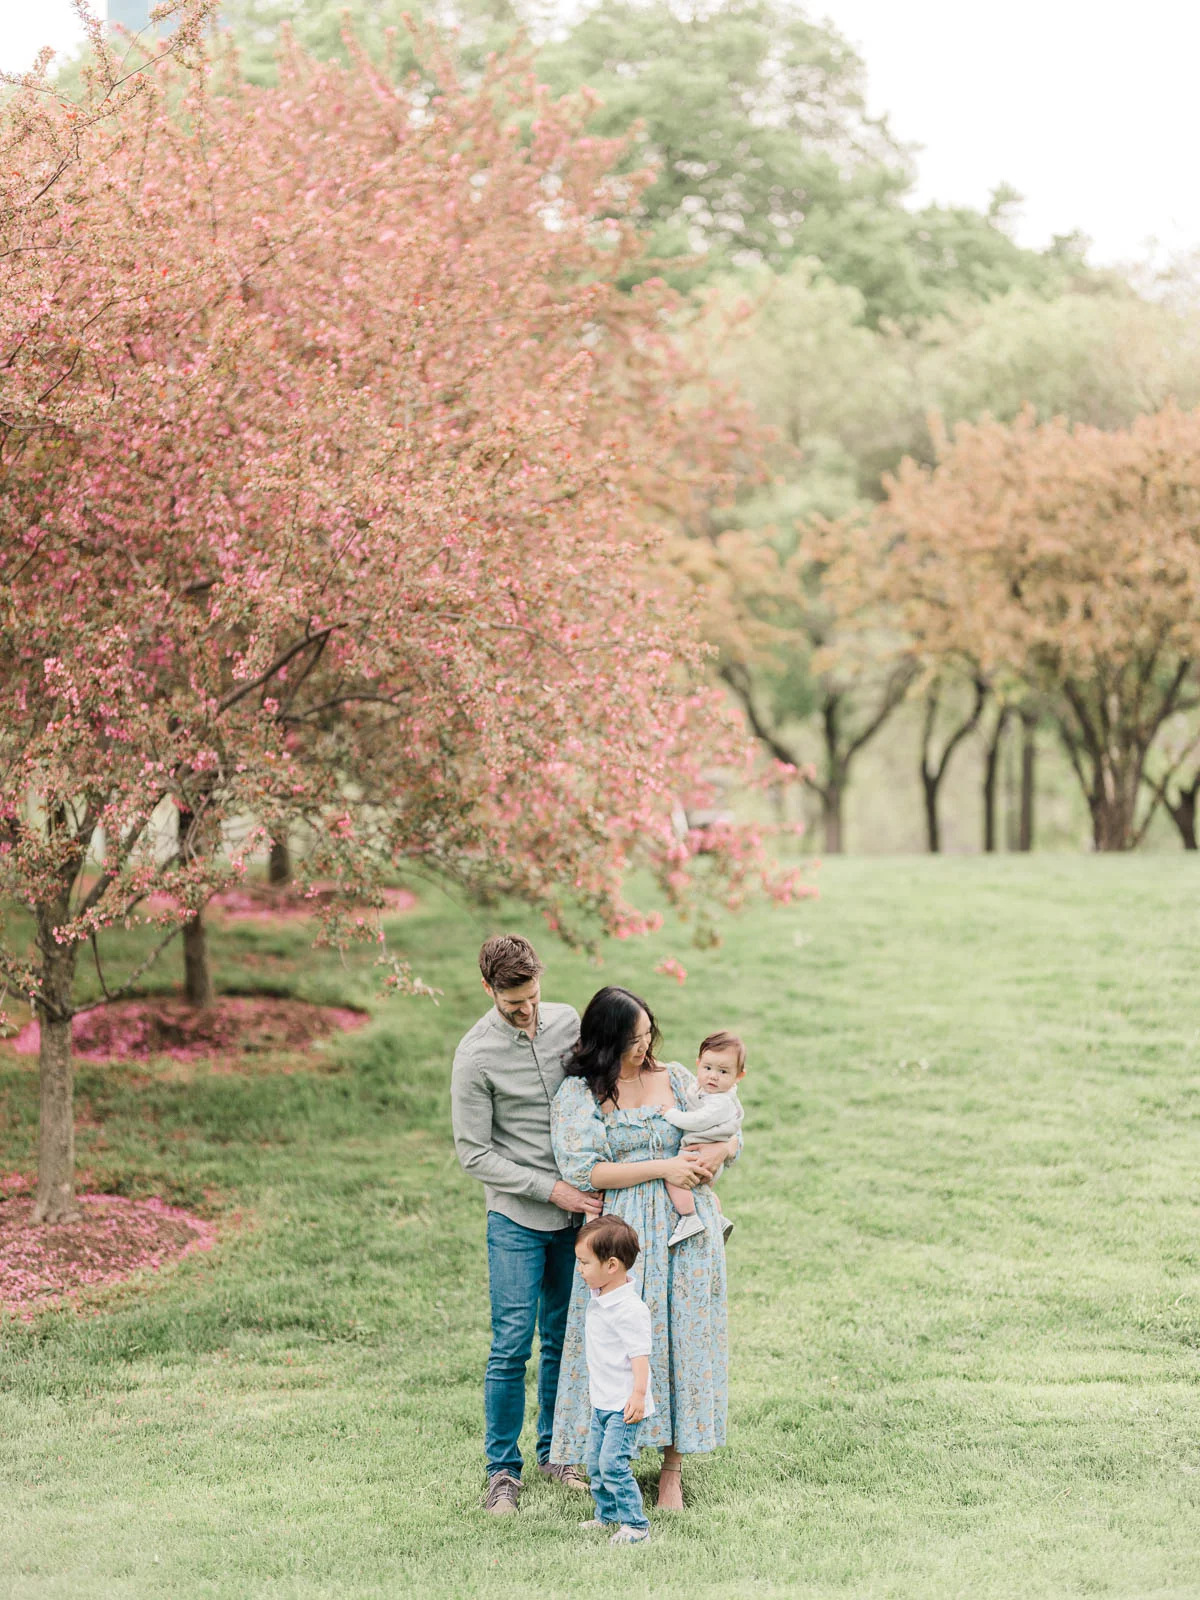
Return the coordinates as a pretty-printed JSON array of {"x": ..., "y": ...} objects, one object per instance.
[{"x": 684, "y": 1288}]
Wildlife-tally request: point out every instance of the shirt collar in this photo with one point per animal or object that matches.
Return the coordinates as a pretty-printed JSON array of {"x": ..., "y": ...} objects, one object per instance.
[
  {"x": 614, "y": 1296},
  {"x": 516, "y": 1034}
]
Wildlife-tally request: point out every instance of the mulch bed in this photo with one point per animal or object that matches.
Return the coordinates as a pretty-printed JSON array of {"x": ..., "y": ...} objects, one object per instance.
[
  {"x": 46, "y": 1266},
  {"x": 235, "y": 1026}
]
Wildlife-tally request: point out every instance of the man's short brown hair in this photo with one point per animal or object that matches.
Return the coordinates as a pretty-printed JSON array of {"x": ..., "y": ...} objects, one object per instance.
[
  {"x": 508, "y": 961},
  {"x": 726, "y": 1041},
  {"x": 611, "y": 1236}
]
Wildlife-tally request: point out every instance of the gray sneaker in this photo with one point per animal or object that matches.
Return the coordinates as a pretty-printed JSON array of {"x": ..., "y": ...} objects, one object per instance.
[
  {"x": 562, "y": 1473},
  {"x": 627, "y": 1535},
  {"x": 502, "y": 1492},
  {"x": 687, "y": 1228}
]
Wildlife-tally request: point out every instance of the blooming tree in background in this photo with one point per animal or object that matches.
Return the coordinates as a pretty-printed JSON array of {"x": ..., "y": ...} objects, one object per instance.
[
  {"x": 800, "y": 635},
  {"x": 792, "y": 646},
  {"x": 328, "y": 460},
  {"x": 1065, "y": 561}
]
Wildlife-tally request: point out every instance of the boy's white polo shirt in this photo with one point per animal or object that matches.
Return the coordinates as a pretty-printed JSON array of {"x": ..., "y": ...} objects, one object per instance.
[{"x": 616, "y": 1328}]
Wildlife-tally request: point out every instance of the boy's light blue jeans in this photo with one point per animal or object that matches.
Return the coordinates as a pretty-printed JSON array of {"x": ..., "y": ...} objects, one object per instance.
[
  {"x": 610, "y": 1447},
  {"x": 530, "y": 1275}
]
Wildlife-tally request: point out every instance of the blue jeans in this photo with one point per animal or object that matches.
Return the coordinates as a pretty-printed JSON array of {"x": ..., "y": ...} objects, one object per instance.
[
  {"x": 530, "y": 1275},
  {"x": 610, "y": 1446}
]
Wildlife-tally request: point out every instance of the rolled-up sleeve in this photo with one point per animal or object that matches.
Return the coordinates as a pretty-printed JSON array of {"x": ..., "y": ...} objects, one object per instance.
[
  {"x": 577, "y": 1133},
  {"x": 471, "y": 1118}
]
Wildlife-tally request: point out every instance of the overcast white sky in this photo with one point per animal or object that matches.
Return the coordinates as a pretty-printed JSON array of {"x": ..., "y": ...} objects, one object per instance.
[{"x": 1085, "y": 106}]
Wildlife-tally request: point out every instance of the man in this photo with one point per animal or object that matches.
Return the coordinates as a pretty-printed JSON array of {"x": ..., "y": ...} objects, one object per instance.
[{"x": 506, "y": 1072}]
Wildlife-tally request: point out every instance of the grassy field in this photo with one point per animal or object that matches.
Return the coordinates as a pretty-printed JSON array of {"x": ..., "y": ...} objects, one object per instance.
[{"x": 965, "y": 1301}]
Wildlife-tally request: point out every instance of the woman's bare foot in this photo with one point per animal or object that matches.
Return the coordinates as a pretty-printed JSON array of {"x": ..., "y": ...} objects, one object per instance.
[{"x": 670, "y": 1489}]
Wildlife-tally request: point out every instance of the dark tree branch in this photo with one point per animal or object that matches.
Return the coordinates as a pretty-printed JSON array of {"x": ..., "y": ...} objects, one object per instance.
[
  {"x": 897, "y": 687},
  {"x": 117, "y": 994},
  {"x": 738, "y": 679}
]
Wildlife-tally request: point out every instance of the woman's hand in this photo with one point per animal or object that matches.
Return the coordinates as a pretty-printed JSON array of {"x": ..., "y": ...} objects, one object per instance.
[
  {"x": 710, "y": 1158},
  {"x": 682, "y": 1170}
]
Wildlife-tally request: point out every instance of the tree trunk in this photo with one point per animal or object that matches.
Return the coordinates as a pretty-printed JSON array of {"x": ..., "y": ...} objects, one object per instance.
[
  {"x": 1183, "y": 812},
  {"x": 991, "y": 766},
  {"x": 930, "y": 782},
  {"x": 1112, "y": 818},
  {"x": 931, "y": 773},
  {"x": 1185, "y": 820},
  {"x": 55, "y": 1199},
  {"x": 1028, "y": 760},
  {"x": 831, "y": 819},
  {"x": 197, "y": 975},
  {"x": 834, "y": 787},
  {"x": 279, "y": 864}
]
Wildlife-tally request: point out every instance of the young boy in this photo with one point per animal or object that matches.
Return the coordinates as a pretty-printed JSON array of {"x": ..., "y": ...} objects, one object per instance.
[
  {"x": 713, "y": 1116},
  {"x": 617, "y": 1345}
]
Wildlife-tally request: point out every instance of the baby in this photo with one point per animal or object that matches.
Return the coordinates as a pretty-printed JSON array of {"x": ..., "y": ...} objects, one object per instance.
[{"x": 713, "y": 1116}]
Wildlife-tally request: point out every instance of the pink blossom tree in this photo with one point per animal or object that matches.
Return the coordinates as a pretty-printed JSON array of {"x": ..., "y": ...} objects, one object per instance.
[{"x": 327, "y": 450}]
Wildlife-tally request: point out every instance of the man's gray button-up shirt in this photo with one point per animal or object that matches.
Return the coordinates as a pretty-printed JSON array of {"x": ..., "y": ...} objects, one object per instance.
[{"x": 500, "y": 1094}]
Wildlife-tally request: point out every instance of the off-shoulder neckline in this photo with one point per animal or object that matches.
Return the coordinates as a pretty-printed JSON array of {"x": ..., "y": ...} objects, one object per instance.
[{"x": 672, "y": 1069}]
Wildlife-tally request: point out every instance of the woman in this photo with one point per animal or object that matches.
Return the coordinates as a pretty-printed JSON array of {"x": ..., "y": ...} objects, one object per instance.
[{"x": 608, "y": 1134}]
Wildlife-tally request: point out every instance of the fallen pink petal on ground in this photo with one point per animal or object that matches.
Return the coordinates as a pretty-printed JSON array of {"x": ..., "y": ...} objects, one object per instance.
[
  {"x": 262, "y": 902},
  {"x": 42, "y": 1266},
  {"x": 234, "y": 1027}
]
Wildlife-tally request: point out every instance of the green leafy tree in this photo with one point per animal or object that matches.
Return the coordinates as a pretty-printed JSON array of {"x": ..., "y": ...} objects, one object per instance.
[
  {"x": 841, "y": 396},
  {"x": 379, "y": 28},
  {"x": 754, "y": 117},
  {"x": 1102, "y": 359},
  {"x": 750, "y": 112}
]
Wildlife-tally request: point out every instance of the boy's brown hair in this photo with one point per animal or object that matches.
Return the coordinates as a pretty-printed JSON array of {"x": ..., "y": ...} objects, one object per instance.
[
  {"x": 508, "y": 961},
  {"x": 611, "y": 1236},
  {"x": 726, "y": 1041}
]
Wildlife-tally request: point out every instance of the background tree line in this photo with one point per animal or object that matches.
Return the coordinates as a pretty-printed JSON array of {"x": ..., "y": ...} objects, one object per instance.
[{"x": 849, "y": 318}]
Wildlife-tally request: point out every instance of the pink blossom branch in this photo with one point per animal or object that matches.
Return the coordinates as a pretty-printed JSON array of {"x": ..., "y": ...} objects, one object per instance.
[{"x": 281, "y": 661}]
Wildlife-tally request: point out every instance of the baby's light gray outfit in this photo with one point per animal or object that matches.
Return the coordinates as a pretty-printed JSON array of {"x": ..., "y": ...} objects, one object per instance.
[{"x": 709, "y": 1118}]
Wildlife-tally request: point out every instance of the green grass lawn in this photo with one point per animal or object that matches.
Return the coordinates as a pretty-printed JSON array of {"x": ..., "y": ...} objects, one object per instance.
[{"x": 965, "y": 1305}]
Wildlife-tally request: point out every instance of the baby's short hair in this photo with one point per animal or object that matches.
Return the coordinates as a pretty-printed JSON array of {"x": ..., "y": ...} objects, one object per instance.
[
  {"x": 611, "y": 1236},
  {"x": 726, "y": 1041}
]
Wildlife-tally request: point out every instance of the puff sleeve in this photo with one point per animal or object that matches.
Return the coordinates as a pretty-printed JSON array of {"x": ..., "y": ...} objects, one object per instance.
[{"x": 577, "y": 1133}]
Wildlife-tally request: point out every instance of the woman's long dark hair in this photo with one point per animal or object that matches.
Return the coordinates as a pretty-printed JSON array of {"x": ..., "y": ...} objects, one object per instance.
[{"x": 605, "y": 1031}]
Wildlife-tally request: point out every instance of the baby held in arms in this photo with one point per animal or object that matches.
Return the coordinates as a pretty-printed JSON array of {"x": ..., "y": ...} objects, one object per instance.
[{"x": 713, "y": 1116}]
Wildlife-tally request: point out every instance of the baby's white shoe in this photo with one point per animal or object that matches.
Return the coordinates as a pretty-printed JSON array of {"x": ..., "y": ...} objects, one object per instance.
[
  {"x": 688, "y": 1228},
  {"x": 726, "y": 1227}
]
